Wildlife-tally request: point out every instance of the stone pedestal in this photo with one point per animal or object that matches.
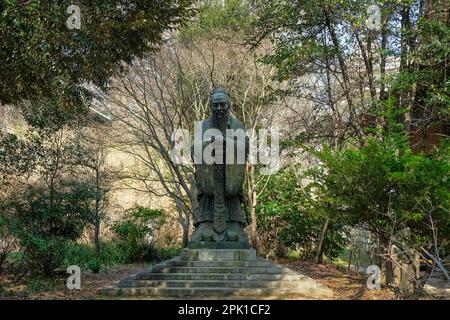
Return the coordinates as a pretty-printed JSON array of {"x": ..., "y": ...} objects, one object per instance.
[
  {"x": 218, "y": 255},
  {"x": 218, "y": 245},
  {"x": 219, "y": 274}
]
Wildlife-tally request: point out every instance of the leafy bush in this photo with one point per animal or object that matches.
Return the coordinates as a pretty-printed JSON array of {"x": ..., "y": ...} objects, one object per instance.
[
  {"x": 41, "y": 284},
  {"x": 288, "y": 221},
  {"x": 44, "y": 222},
  {"x": 94, "y": 265},
  {"x": 112, "y": 253},
  {"x": 6, "y": 243},
  {"x": 386, "y": 188},
  {"x": 42, "y": 254},
  {"x": 84, "y": 255},
  {"x": 162, "y": 254},
  {"x": 217, "y": 20},
  {"x": 134, "y": 233}
]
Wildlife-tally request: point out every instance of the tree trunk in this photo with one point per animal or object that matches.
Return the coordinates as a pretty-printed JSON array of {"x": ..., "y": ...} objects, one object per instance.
[
  {"x": 357, "y": 256},
  {"x": 383, "y": 55},
  {"x": 372, "y": 248},
  {"x": 252, "y": 198},
  {"x": 350, "y": 259},
  {"x": 345, "y": 76},
  {"x": 97, "y": 214},
  {"x": 185, "y": 235},
  {"x": 184, "y": 220},
  {"x": 386, "y": 266},
  {"x": 321, "y": 246},
  {"x": 97, "y": 239},
  {"x": 404, "y": 94}
]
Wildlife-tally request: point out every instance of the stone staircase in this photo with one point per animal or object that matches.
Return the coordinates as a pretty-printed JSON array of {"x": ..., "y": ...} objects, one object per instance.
[{"x": 219, "y": 273}]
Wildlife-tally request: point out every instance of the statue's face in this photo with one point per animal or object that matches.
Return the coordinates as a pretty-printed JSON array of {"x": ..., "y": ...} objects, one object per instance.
[{"x": 220, "y": 105}]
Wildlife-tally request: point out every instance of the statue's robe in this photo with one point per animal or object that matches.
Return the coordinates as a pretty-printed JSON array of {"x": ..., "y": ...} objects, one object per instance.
[{"x": 234, "y": 179}]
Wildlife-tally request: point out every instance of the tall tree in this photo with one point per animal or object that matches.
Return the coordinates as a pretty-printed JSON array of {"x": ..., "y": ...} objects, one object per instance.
[{"x": 45, "y": 60}]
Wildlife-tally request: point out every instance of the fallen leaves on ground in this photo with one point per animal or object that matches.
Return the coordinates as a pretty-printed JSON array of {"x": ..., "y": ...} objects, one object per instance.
[
  {"x": 346, "y": 285},
  {"x": 90, "y": 283}
]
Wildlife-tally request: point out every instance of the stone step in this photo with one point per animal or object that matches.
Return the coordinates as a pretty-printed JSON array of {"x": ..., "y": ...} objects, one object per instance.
[
  {"x": 222, "y": 273},
  {"x": 284, "y": 284},
  {"x": 243, "y": 270},
  {"x": 254, "y": 263},
  {"x": 305, "y": 292},
  {"x": 217, "y": 276}
]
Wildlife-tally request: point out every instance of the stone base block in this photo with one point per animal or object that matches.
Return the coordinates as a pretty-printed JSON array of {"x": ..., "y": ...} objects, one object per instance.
[
  {"x": 218, "y": 245},
  {"x": 218, "y": 254}
]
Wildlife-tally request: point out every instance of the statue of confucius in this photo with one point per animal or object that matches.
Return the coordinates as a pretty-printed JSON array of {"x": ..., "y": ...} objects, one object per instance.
[{"x": 219, "y": 219}]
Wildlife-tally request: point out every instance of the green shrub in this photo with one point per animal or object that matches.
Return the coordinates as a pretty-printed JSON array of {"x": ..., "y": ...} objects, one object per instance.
[
  {"x": 42, "y": 254},
  {"x": 6, "y": 243},
  {"x": 44, "y": 222},
  {"x": 84, "y": 255},
  {"x": 134, "y": 233},
  {"x": 288, "y": 220},
  {"x": 112, "y": 253},
  {"x": 386, "y": 188},
  {"x": 167, "y": 253},
  {"x": 40, "y": 284},
  {"x": 94, "y": 265}
]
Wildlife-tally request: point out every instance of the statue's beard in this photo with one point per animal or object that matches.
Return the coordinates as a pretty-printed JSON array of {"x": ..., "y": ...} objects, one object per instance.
[{"x": 219, "y": 118}]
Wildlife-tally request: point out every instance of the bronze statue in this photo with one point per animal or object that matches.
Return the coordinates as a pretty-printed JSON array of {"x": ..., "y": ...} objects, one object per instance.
[{"x": 219, "y": 219}]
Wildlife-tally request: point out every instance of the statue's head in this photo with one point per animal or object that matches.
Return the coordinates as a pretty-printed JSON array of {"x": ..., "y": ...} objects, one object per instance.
[{"x": 220, "y": 102}]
